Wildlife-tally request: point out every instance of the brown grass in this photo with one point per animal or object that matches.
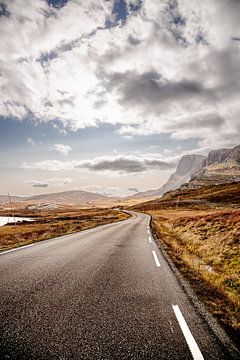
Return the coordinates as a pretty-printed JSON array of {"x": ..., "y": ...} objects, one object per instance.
[
  {"x": 205, "y": 247},
  {"x": 53, "y": 224}
]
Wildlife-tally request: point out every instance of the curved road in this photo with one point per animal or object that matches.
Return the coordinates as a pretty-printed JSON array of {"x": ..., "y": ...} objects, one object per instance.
[{"x": 104, "y": 293}]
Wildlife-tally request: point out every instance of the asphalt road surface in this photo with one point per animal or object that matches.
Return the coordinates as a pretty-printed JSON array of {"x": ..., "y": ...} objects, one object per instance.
[{"x": 104, "y": 293}]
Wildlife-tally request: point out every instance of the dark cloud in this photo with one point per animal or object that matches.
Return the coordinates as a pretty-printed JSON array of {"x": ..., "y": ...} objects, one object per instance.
[
  {"x": 133, "y": 189},
  {"x": 4, "y": 10},
  {"x": 212, "y": 121},
  {"x": 150, "y": 88},
  {"x": 125, "y": 164},
  {"x": 67, "y": 101},
  {"x": 133, "y": 40},
  {"x": 39, "y": 184}
]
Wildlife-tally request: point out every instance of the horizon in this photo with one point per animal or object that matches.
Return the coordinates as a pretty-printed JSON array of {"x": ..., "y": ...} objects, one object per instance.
[{"x": 111, "y": 94}]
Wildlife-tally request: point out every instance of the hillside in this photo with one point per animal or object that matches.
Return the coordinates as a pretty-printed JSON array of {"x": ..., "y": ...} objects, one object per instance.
[
  {"x": 5, "y": 199},
  {"x": 214, "y": 195},
  {"x": 220, "y": 166},
  {"x": 77, "y": 197}
]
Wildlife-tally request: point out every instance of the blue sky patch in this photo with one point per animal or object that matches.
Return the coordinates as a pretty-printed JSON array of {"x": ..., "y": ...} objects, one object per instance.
[{"x": 57, "y": 3}]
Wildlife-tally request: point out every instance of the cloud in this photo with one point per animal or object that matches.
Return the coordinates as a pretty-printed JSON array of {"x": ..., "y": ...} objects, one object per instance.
[
  {"x": 38, "y": 184},
  {"x": 120, "y": 164},
  {"x": 110, "y": 191},
  {"x": 154, "y": 69},
  {"x": 152, "y": 89},
  {"x": 50, "y": 165},
  {"x": 31, "y": 141},
  {"x": 61, "y": 148},
  {"x": 57, "y": 181},
  {"x": 125, "y": 164}
]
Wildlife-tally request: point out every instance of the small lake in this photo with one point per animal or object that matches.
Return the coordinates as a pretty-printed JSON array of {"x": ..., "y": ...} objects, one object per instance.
[{"x": 10, "y": 219}]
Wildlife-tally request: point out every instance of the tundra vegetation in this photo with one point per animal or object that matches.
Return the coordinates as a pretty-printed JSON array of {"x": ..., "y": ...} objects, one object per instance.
[{"x": 57, "y": 222}]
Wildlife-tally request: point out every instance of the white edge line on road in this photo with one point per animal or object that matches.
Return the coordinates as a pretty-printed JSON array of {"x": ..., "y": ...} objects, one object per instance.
[
  {"x": 150, "y": 239},
  {"x": 18, "y": 248},
  {"x": 193, "y": 346},
  {"x": 156, "y": 258}
]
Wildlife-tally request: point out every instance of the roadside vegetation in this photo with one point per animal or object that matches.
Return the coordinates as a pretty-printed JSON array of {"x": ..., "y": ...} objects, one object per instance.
[
  {"x": 49, "y": 224},
  {"x": 200, "y": 230}
]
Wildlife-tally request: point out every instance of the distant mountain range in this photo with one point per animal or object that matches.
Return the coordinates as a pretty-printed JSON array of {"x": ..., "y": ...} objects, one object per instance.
[
  {"x": 219, "y": 167},
  {"x": 77, "y": 197}
]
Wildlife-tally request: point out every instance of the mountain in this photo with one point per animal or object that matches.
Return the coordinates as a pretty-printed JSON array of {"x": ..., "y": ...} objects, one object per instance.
[
  {"x": 223, "y": 156},
  {"x": 220, "y": 167},
  {"x": 187, "y": 165},
  {"x": 77, "y": 197},
  {"x": 15, "y": 198}
]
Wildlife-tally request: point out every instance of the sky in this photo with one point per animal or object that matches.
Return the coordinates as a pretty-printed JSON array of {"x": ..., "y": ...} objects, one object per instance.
[{"x": 107, "y": 95}]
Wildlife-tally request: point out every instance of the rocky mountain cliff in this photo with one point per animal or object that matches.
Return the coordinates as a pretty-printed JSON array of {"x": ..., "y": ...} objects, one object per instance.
[
  {"x": 220, "y": 167},
  {"x": 223, "y": 156},
  {"x": 187, "y": 165}
]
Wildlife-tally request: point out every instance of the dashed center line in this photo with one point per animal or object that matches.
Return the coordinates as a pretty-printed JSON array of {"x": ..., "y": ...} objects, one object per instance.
[
  {"x": 150, "y": 239},
  {"x": 156, "y": 258},
  {"x": 193, "y": 346}
]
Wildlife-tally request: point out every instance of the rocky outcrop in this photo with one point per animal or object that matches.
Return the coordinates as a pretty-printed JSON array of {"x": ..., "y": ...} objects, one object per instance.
[
  {"x": 187, "y": 165},
  {"x": 217, "y": 157},
  {"x": 235, "y": 154},
  {"x": 220, "y": 167},
  {"x": 223, "y": 156}
]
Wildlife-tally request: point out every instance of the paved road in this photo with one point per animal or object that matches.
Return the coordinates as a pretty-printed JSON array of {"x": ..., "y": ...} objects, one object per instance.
[{"x": 104, "y": 293}]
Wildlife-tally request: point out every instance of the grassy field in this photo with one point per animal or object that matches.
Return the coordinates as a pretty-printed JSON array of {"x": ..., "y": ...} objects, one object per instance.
[
  {"x": 49, "y": 224},
  {"x": 200, "y": 230}
]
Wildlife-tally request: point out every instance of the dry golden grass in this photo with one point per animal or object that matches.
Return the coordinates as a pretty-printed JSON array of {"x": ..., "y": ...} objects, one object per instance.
[
  {"x": 50, "y": 224},
  {"x": 205, "y": 247}
]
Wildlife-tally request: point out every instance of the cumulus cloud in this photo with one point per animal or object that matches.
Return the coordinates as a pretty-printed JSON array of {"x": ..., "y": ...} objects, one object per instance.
[
  {"x": 167, "y": 66},
  {"x": 61, "y": 148},
  {"x": 120, "y": 164},
  {"x": 31, "y": 142}
]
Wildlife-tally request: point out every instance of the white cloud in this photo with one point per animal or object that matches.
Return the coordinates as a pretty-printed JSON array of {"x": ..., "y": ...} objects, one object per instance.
[
  {"x": 31, "y": 142},
  {"x": 61, "y": 148},
  {"x": 110, "y": 191},
  {"x": 172, "y": 68}
]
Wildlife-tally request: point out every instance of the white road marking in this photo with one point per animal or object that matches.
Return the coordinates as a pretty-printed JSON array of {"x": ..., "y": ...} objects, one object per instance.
[
  {"x": 18, "y": 248},
  {"x": 150, "y": 239},
  {"x": 156, "y": 258},
  {"x": 193, "y": 346}
]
